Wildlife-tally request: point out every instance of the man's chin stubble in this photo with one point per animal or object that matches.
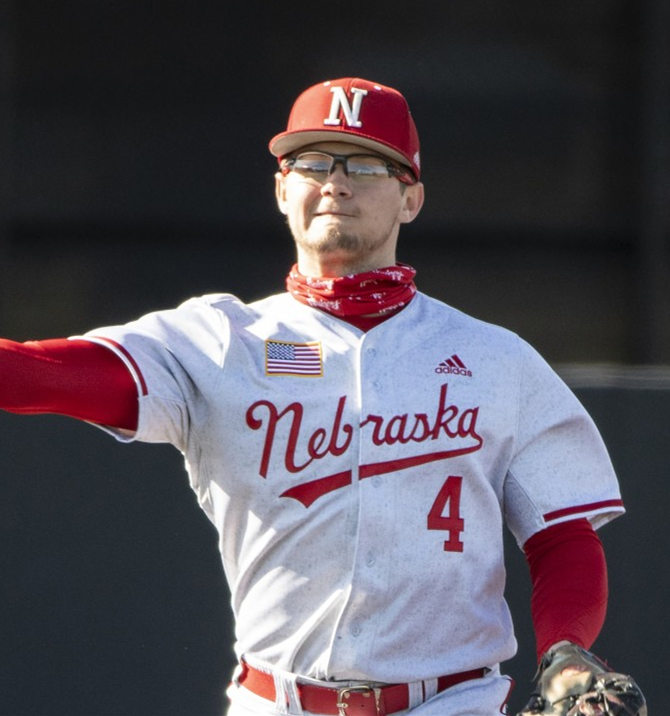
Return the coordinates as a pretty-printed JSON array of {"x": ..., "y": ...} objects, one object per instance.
[{"x": 332, "y": 241}]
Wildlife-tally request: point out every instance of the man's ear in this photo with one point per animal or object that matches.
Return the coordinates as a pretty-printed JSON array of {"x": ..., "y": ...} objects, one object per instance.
[
  {"x": 280, "y": 192},
  {"x": 412, "y": 202}
]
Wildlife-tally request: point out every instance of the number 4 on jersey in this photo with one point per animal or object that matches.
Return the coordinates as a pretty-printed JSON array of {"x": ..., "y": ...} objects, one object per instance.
[{"x": 448, "y": 500}]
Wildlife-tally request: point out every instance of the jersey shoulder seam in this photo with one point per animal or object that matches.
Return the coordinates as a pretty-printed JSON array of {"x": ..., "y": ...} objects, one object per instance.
[{"x": 469, "y": 318}]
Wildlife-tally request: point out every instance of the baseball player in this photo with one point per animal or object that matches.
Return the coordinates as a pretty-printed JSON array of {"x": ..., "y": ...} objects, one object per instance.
[{"x": 359, "y": 447}]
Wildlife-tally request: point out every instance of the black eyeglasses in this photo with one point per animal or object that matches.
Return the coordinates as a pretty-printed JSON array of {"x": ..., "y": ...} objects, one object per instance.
[{"x": 358, "y": 167}]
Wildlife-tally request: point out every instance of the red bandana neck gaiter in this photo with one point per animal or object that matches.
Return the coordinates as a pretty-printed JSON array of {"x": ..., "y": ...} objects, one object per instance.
[{"x": 373, "y": 293}]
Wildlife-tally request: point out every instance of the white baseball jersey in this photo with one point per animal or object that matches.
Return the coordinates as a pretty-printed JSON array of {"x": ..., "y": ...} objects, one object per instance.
[{"x": 360, "y": 481}]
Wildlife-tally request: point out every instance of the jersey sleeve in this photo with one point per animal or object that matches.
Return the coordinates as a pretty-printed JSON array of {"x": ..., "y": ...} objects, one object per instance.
[
  {"x": 174, "y": 357},
  {"x": 560, "y": 469}
]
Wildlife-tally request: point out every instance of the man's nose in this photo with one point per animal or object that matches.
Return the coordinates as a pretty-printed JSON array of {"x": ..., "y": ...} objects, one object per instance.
[{"x": 337, "y": 182}]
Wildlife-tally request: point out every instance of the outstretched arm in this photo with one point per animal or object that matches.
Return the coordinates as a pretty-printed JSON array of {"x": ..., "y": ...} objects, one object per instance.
[{"x": 77, "y": 378}]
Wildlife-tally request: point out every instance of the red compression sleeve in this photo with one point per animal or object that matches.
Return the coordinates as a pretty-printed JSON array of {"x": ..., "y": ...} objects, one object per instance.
[
  {"x": 76, "y": 378},
  {"x": 569, "y": 577}
]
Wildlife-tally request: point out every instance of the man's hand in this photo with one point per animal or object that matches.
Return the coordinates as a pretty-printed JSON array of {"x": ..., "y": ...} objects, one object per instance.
[{"x": 573, "y": 681}]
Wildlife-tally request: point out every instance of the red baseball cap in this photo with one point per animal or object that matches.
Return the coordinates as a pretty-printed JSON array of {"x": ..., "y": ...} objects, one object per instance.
[{"x": 352, "y": 110}]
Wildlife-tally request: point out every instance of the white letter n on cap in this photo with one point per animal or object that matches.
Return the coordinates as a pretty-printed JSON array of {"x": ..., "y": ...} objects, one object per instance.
[{"x": 350, "y": 111}]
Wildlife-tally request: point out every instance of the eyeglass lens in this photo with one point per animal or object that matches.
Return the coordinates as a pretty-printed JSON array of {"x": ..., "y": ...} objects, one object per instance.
[{"x": 358, "y": 166}]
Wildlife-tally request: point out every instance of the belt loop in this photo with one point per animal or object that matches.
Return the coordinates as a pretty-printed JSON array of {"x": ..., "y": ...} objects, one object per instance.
[
  {"x": 287, "y": 698},
  {"x": 238, "y": 673},
  {"x": 415, "y": 694},
  {"x": 429, "y": 689}
]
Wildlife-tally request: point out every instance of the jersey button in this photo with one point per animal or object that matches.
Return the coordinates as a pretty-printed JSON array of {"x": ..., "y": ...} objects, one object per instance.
[
  {"x": 355, "y": 629},
  {"x": 370, "y": 560}
]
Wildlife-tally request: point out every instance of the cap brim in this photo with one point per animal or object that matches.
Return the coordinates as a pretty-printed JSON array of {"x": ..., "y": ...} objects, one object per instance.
[{"x": 287, "y": 142}]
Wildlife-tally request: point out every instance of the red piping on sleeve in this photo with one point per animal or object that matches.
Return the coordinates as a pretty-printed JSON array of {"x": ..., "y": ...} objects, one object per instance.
[{"x": 580, "y": 509}]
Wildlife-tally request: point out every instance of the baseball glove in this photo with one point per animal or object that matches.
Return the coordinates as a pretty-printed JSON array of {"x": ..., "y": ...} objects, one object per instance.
[{"x": 573, "y": 681}]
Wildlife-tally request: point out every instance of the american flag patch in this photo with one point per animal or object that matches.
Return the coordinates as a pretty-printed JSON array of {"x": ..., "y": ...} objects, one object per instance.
[{"x": 282, "y": 358}]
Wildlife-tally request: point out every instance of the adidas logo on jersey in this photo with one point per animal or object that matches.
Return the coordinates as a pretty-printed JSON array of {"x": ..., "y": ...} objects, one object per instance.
[{"x": 454, "y": 366}]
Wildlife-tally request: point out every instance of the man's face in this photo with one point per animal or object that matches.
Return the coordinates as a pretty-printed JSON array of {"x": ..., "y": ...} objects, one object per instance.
[{"x": 341, "y": 221}]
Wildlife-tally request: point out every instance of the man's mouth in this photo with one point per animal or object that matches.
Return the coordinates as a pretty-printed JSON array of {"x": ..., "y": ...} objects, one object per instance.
[{"x": 332, "y": 212}]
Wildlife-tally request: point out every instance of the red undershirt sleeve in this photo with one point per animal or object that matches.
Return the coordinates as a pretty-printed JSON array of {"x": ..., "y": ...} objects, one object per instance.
[
  {"x": 77, "y": 378},
  {"x": 569, "y": 584}
]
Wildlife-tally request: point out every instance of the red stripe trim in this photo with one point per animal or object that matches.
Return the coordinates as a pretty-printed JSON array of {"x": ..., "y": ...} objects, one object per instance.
[{"x": 577, "y": 509}]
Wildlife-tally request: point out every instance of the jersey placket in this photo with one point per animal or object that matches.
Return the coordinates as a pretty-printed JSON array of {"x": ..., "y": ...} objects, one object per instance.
[{"x": 356, "y": 629}]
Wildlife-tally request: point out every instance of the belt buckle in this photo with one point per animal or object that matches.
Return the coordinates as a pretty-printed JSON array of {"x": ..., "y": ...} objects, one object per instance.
[{"x": 365, "y": 690}]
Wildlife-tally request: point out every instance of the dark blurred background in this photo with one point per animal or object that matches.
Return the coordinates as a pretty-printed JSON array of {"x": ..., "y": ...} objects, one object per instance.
[{"x": 134, "y": 173}]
